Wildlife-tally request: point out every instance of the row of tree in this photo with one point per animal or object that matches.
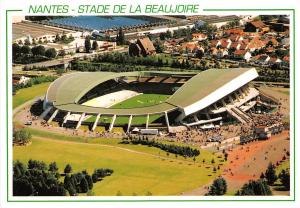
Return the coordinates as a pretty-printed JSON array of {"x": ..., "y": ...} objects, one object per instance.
[
  {"x": 122, "y": 58},
  {"x": 26, "y": 54},
  {"x": 93, "y": 67},
  {"x": 63, "y": 38},
  {"x": 33, "y": 81},
  {"x": 184, "y": 151},
  {"x": 38, "y": 179},
  {"x": 157, "y": 61}
]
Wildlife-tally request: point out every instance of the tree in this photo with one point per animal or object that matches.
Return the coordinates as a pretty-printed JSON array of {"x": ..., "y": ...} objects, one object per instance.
[
  {"x": 87, "y": 44},
  {"x": 57, "y": 38},
  {"x": 18, "y": 169},
  {"x": 68, "y": 169},
  {"x": 270, "y": 174},
  {"x": 89, "y": 181},
  {"x": 16, "y": 49},
  {"x": 22, "y": 136},
  {"x": 84, "y": 186},
  {"x": 120, "y": 37},
  {"x": 158, "y": 46},
  {"x": 38, "y": 50},
  {"x": 199, "y": 54},
  {"x": 33, "y": 42},
  {"x": 270, "y": 43},
  {"x": 218, "y": 188},
  {"x": 51, "y": 53},
  {"x": 162, "y": 36},
  {"x": 255, "y": 188},
  {"x": 69, "y": 185},
  {"x": 95, "y": 45},
  {"x": 27, "y": 42},
  {"x": 284, "y": 177},
  {"x": 22, "y": 187},
  {"x": 168, "y": 34},
  {"x": 53, "y": 167},
  {"x": 25, "y": 49},
  {"x": 35, "y": 164}
]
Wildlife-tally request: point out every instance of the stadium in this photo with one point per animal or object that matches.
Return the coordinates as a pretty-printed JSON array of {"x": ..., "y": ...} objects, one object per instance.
[{"x": 144, "y": 98}]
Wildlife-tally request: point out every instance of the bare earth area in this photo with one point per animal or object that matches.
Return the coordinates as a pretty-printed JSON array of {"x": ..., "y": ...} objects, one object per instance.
[{"x": 249, "y": 161}]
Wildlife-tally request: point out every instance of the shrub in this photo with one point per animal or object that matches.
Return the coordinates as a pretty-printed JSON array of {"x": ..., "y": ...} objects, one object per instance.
[
  {"x": 219, "y": 187},
  {"x": 255, "y": 188}
]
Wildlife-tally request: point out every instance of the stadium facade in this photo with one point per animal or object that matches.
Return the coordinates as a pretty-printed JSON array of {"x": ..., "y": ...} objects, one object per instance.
[{"x": 195, "y": 98}]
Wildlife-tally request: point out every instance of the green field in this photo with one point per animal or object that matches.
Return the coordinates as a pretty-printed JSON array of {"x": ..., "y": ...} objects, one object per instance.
[
  {"x": 26, "y": 94},
  {"x": 138, "y": 101},
  {"x": 283, "y": 166},
  {"x": 137, "y": 169},
  {"x": 142, "y": 100}
]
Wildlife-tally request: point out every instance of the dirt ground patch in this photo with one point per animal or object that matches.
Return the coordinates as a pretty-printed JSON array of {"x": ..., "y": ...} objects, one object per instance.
[{"x": 249, "y": 161}]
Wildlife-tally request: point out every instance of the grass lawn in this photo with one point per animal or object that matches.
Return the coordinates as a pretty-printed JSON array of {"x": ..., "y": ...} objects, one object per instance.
[
  {"x": 283, "y": 166},
  {"x": 26, "y": 94},
  {"x": 138, "y": 101},
  {"x": 285, "y": 91},
  {"x": 135, "y": 170},
  {"x": 205, "y": 154},
  {"x": 142, "y": 100}
]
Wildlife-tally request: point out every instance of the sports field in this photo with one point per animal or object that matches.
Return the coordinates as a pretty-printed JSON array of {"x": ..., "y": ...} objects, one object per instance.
[
  {"x": 142, "y": 100},
  {"x": 137, "y": 169},
  {"x": 26, "y": 94}
]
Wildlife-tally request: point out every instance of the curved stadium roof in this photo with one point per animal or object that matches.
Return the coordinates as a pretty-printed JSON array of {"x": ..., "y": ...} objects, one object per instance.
[{"x": 65, "y": 92}]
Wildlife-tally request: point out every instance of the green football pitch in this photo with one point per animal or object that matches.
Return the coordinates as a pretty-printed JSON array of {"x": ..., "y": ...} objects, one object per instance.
[{"x": 142, "y": 100}]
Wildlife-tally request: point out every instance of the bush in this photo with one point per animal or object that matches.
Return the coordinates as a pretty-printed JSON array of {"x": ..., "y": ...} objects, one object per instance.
[
  {"x": 38, "y": 50},
  {"x": 284, "y": 178},
  {"x": 100, "y": 174},
  {"x": 270, "y": 174},
  {"x": 22, "y": 136},
  {"x": 184, "y": 151},
  {"x": 255, "y": 188},
  {"x": 218, "y": 188},
  {"x": 51, "y": 53},
  {"x": 68, "y": 169}
]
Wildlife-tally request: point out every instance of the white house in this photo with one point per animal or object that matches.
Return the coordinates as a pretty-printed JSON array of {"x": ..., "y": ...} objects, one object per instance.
[{"x": 242, "y": 54}]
